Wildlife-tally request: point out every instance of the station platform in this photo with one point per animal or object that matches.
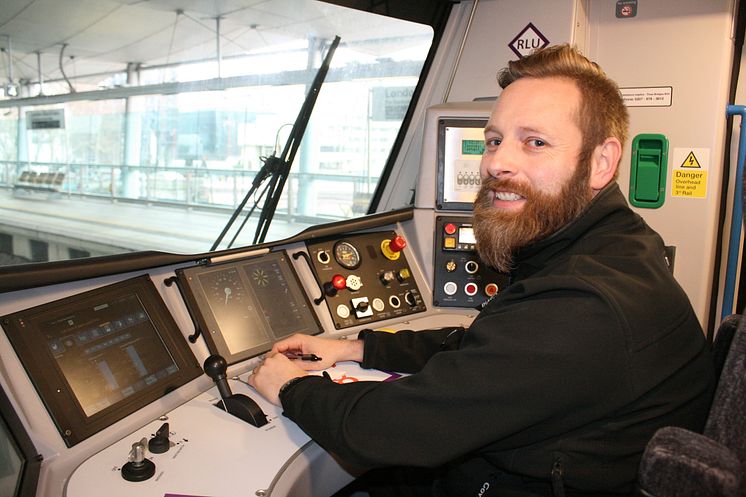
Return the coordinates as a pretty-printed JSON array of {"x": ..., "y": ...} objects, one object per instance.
[{"x": 116, "y": 226}]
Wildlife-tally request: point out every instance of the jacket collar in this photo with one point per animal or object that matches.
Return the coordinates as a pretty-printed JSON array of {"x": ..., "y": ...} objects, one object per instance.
[{"x": 531, "y": 258}]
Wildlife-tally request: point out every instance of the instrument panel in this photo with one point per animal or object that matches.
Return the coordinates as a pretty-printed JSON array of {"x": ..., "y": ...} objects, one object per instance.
[
  {"x": 365, "y": 278},
  {"x": 242, "y": 307}
]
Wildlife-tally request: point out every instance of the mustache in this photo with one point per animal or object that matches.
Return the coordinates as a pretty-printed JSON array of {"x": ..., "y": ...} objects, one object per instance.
[{"x": 490, "y": 184}]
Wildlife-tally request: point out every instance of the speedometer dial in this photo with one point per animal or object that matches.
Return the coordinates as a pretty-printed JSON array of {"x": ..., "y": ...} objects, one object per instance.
[{"x": 347, "y": 255}]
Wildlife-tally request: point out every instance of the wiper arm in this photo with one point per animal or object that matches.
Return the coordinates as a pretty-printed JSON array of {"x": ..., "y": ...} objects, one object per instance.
[{"x": 277, "y": 169}]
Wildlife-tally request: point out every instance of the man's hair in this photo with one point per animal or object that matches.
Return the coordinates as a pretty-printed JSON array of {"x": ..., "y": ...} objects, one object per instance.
[{"x": 602, "y": 113}]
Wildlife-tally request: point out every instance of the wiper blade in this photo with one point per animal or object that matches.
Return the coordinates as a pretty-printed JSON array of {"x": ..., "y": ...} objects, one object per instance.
[{"x": 277, "y": 169}]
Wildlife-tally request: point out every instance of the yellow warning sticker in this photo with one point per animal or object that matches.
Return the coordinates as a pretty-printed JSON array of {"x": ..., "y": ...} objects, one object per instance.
[{"x": 689, "y": 173}]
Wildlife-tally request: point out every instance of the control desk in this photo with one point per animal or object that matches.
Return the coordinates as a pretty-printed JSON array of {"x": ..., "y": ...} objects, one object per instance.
[{"x": 112, "y": 376}]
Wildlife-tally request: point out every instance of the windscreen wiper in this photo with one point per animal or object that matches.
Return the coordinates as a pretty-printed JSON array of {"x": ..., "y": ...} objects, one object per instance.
[{"x": 276, "y": 169}]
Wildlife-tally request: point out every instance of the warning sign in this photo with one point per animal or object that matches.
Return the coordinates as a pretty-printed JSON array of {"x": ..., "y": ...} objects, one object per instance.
[
  {"x": 691, "y": 161},
  {"x": 689, "y": 174}
]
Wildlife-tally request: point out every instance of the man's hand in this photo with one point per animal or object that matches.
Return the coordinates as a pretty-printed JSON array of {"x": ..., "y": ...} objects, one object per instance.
[
  {"x": 272, "y": 374},
  {"x": 330, "y": 350},
  {"x": 277, "y": 369}
]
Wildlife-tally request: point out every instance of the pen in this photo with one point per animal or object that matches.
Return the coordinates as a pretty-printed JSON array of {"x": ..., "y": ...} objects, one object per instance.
[{"x": 302, "y": 357}]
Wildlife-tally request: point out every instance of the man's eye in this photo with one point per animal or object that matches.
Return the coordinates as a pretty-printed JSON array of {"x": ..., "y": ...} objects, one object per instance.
[
  {"x": 535, "y": 142},
  {"x": 493, "y": 142}
]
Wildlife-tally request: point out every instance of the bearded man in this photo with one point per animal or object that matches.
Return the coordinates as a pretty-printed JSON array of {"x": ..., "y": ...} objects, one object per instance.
[{"x": 564, "y": 376}]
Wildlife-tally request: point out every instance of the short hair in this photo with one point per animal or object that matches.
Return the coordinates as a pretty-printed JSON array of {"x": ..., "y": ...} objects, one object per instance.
[{"x": 602, "y": 113}]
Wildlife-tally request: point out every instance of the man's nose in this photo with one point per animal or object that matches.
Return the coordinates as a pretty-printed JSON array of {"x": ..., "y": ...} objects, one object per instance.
[{"x": 498, "y": 163}]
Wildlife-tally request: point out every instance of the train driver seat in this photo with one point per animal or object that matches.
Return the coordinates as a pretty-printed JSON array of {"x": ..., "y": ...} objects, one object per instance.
[{"x": 681, "y": 463}]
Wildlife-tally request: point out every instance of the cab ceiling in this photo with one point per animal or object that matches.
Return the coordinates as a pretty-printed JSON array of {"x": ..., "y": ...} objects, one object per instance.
[{"x": 93, "y": 37}]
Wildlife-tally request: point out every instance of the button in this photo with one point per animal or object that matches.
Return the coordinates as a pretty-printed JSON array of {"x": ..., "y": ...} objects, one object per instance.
[
  {"x": 491, "y": 289},
  {"x": 343, "y": 311},
  {"x": 397, "y": 244},
  {"x": 377, "y": 304},
  {"x": 471, "y": 289},
  {"x": 449, "y": 228},
  {"x": 339, "y": 282},
  {"x": 449, "y": 242},
  {"x": 450, "y": 288}
]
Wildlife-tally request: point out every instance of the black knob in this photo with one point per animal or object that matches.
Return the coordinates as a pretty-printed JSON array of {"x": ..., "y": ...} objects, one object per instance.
[
  {"x": 215, "y": 367},
  {"x": 159, "y": 443}
]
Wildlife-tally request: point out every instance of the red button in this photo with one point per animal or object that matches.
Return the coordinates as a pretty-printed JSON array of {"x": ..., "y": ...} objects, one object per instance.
[
  {"x": 449, "y": 228},
  {"x": 339, "y": 282},
  {"x": 397, "y": 244}
]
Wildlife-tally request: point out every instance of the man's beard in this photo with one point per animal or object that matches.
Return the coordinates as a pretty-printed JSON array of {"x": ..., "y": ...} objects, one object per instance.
[{"x": 501, "y": 233}]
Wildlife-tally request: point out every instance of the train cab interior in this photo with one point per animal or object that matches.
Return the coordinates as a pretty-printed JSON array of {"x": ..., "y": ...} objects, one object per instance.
[{"x": 184, "y": 183}]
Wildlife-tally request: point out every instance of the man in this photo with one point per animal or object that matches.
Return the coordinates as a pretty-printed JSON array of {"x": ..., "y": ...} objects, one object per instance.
[{"x": 565, "y": 375}]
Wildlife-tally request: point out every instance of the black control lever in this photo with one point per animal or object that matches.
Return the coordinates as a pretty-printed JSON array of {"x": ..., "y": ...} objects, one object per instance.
[
  {"x": 237, "y": 404},
  {"x": 160, "y": 443}
]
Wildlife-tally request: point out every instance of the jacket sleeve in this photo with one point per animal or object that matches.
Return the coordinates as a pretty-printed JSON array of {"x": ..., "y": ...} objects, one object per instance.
[
  {"x": 519, "y": 377},
  {"x": 406, "y": 351}
]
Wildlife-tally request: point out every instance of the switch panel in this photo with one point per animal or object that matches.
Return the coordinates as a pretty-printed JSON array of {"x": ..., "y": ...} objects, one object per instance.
[
  {"x": 461, "y": 278},
  {"x": 365, "y": 278}
]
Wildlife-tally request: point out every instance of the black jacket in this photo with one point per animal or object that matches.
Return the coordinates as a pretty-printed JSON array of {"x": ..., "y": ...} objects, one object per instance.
[{"x": 571, "y": 368}]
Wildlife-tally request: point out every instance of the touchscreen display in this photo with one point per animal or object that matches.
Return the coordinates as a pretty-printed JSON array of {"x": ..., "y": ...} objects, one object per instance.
[
  {"x": 243, "y": 307},
  {"x": 98, "y": 356},
  {"x": 108, "y": 351}
]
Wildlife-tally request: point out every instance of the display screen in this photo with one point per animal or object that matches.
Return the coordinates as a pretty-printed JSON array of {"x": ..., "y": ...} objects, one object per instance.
[
  {"x": 108, "y": 351},
  {"x": 98, "y": 356},
  {"x": 460, "y": 149},
  {"x": 242, "y": 307}
]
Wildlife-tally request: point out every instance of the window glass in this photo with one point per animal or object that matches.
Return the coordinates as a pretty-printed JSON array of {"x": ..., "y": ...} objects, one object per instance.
[
  {"x": 107, "y": 155},
  {"x": 11, "y": 462}
]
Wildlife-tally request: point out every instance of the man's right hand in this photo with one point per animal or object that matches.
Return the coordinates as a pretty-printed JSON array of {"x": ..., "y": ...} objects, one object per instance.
[{"x": 330, "y": 350}]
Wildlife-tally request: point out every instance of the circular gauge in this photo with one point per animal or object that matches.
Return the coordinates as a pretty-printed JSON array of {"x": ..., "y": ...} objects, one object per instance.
[
  {"x": 346, "y": 255},
  {"x": 225, "y": 287}
]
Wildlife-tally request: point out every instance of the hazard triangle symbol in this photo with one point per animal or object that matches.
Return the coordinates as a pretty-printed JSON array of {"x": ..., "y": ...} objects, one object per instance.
[{"x": 691, "y": 161}]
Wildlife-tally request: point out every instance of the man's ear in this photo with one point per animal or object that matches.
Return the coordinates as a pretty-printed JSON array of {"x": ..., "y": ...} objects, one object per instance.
[{"x": 604, "y": 162}]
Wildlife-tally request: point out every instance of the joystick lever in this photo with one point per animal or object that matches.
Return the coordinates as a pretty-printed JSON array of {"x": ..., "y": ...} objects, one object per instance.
[{"x": 236, "y": 404}]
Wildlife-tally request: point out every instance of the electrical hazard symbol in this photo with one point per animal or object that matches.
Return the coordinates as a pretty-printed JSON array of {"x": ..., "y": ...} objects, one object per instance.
[
  {"x": 689, "y": 175},
  {"x": 691, "y": 161}
]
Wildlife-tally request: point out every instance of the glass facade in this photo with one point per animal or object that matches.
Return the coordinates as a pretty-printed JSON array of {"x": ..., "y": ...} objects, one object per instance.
[{"x": 157, "y": 156}]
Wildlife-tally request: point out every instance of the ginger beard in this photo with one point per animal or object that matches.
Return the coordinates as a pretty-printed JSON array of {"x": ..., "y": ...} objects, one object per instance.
[{"x": 501, "y": 233}]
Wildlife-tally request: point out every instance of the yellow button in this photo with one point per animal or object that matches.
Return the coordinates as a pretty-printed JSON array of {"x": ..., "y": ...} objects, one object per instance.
[{"x": 449, "y": 242}]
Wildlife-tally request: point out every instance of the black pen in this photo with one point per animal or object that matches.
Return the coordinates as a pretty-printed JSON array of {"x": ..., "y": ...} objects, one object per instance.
[{"x": 302, "y": 357}]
